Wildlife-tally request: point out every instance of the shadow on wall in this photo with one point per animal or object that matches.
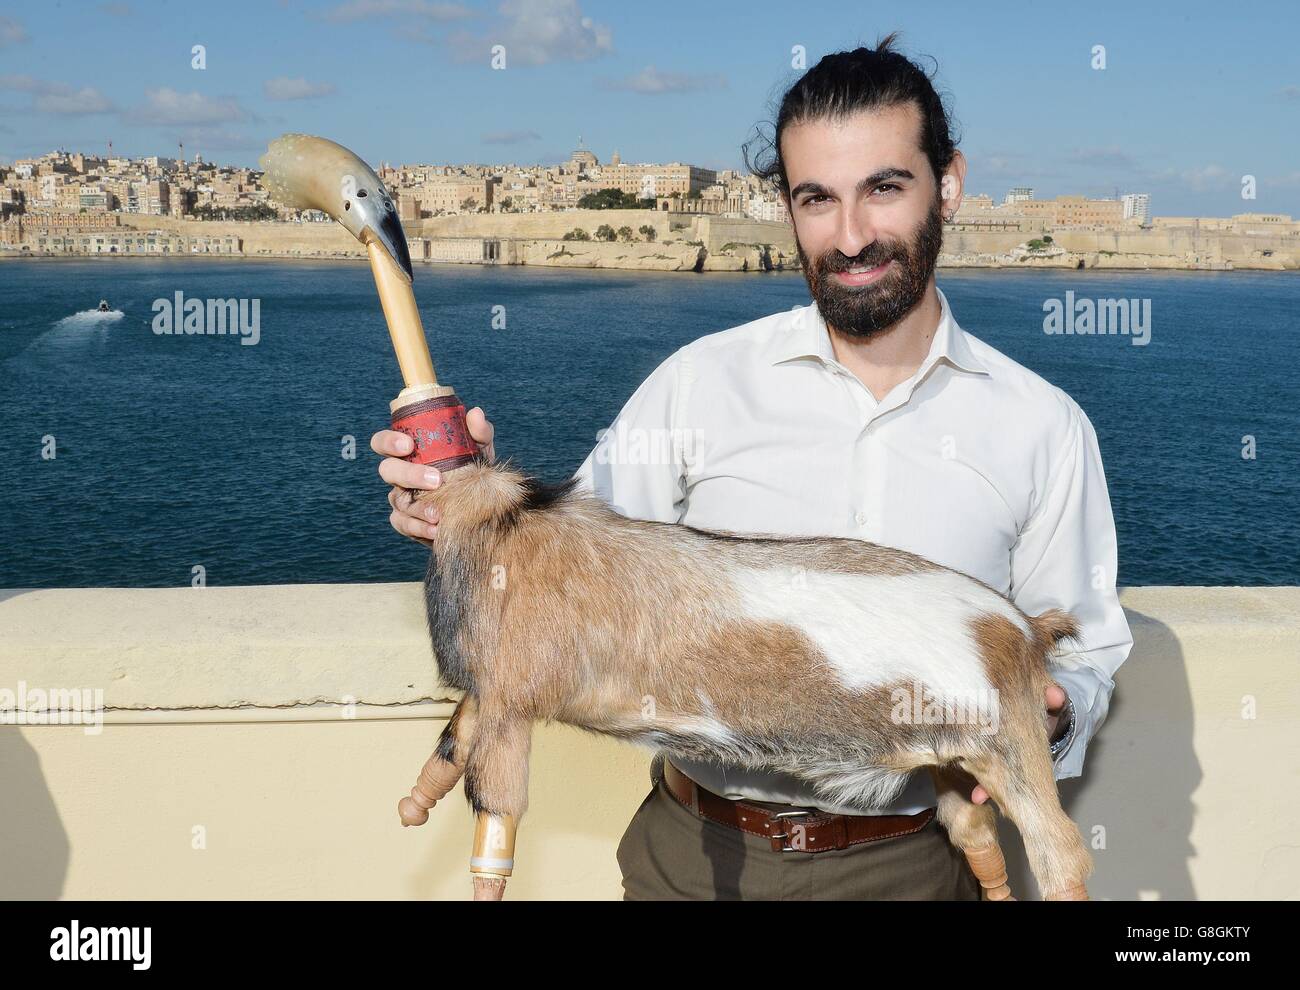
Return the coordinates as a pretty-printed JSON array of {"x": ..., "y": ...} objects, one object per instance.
[
  {"x": 1133, "y": 802},
  {"x": 34, "y": 847},
  {"x": 33, "y": 844}
]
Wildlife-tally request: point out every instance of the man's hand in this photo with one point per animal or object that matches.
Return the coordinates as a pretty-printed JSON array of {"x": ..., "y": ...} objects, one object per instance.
[
  {"x": 1055, "y": 698},
  {"x": 410, "y": 518}
]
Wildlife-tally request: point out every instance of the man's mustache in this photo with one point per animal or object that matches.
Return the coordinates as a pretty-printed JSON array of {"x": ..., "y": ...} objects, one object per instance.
[{"x": 871, "y": 256}]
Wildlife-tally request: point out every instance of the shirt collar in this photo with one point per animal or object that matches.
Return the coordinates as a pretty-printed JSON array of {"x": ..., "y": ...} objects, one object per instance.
[{"x": 808, "y": 336}]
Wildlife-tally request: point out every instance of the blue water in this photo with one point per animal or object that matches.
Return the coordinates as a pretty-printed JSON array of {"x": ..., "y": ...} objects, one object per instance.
[{"x": 174, "y": 452}]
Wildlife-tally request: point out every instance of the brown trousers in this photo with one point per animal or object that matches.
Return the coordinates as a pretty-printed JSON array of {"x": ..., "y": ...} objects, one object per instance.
[{"x": 670, "y": 854}]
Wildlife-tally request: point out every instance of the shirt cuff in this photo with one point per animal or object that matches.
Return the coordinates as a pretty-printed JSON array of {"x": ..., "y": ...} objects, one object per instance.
[
  {"x": 1068, "y": 721},
  {"x": 1090, "y": 696}
]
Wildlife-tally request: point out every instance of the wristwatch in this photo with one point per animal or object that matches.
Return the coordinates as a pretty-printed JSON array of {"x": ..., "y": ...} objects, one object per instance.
[{"x": 1064, "y": 741}]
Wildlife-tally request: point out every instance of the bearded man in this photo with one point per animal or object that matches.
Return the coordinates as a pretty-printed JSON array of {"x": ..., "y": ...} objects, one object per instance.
[{"x": 869, "y": 414}]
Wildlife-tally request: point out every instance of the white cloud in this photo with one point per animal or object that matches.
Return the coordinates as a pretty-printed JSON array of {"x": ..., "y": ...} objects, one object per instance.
[
  {"x": 24, "y": 84},
  {"x": 1203, "y": 179},
  {"x": 284, "y": 88},
  {"x": 1290, "y": 180},
  {"x": 1015, "y": 167},
  {"x": 167, "y": 106},
  {"x": 535, "y": 32},
  {"x": 357, "y": 10},
  {"x": 58, "y": 98},
  {"x": 206, "y": 140},
  {"x": 11, "y": 32},
  {"x": 1110, "y": 157},
  {"x": 84, "y": 101},
  {"x": 653, "y": 82}
]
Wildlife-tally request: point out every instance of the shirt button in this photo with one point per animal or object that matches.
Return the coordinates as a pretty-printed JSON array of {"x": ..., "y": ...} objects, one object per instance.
[{"x": 860, "y": 518}]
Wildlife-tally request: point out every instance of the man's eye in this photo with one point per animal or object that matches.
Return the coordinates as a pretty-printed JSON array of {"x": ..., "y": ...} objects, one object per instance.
[
  {"x": 888, "y": 187},
  {"x": 816, "y": 200}
]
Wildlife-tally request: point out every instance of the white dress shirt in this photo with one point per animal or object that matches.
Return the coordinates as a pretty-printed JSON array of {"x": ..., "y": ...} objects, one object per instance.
[{"x": 974, "y": 462}]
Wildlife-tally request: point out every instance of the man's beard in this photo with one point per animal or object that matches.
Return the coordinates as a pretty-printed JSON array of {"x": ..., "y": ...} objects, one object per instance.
[{"x": 866, "y": 310}]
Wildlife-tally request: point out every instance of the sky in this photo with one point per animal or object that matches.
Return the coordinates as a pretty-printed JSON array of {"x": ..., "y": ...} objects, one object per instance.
[{"x": 1192, "y": 96}]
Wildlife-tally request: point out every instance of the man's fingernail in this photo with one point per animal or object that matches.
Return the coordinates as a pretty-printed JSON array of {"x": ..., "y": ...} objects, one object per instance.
[
  {"x": 432, "y": 478},
  {"x": 433, "y": 531},
  {"x": 432, "y": 513},
  {"x": 405, "y": 444}
]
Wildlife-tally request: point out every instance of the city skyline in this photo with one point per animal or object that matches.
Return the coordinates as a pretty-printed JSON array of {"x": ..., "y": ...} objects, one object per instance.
[
  {"x": 71, "y": 182},
  {"x": 1185, "y": 107}
]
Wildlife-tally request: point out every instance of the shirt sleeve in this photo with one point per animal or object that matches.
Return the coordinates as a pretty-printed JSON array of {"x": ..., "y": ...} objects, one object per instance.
[
  {"x": 1066, "y": 558},
  {"x": 638, "y": 465}
]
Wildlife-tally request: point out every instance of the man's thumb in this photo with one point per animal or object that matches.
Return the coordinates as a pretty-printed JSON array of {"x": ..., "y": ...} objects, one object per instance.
[{"x": 480, "y": 431}]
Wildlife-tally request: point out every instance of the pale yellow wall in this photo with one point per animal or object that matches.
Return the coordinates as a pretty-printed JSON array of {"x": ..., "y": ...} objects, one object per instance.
[
  {"x": 264, "y": 238},
  {"x": 540, "y": 225},
  {"x": 718, "y": 231},
  {"x": 298, "y": 792},
  {"x": 1173, "y": 247},
  {"x": 291, "y": 810}
]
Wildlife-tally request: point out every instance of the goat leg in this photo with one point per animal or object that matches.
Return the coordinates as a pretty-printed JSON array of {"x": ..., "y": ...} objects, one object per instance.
[
  {"x": 1079, "y": 892},
  {"x": 1018, "y": 776},
  {"x": 496, "y": 783},
  {"x": 444, "y": 768}
]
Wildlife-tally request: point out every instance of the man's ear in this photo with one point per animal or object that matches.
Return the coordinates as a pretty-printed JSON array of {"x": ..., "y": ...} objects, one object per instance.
[{"x": 953, "y": 184}]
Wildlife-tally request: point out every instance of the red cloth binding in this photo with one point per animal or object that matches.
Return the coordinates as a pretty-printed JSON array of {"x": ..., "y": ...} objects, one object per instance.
[{"x": 438, "y": 428}]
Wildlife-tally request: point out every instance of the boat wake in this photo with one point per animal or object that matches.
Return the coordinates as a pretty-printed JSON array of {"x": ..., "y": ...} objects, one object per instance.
[
  {"x": 88, "y": 318},
  {"x": 72, "y": 334}
]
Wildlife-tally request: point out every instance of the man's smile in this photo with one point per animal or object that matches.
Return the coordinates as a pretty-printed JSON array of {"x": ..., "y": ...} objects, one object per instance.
[{"x": 862, "y": 275}]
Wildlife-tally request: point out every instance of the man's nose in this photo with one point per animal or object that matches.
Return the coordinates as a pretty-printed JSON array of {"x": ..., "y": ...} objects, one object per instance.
[{"x": 854, "y": 231}]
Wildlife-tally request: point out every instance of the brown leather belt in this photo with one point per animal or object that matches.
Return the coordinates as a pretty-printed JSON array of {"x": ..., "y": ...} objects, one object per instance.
[{"x": 796, "y": 830}]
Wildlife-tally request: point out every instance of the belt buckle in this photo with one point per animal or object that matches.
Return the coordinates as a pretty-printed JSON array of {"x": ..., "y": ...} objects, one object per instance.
[{"x": 785, "y": 846}]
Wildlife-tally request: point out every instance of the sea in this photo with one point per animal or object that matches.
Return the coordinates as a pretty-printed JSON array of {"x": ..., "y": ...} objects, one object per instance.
[{"x": 130, "y": 457}]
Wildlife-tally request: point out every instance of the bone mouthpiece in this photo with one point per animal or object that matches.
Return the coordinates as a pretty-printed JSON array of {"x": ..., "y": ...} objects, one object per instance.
[{"x": 313, "y": 173}]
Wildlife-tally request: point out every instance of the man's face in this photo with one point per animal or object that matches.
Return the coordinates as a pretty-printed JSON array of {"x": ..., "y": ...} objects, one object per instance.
[{"x": 867, "y": 215}]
